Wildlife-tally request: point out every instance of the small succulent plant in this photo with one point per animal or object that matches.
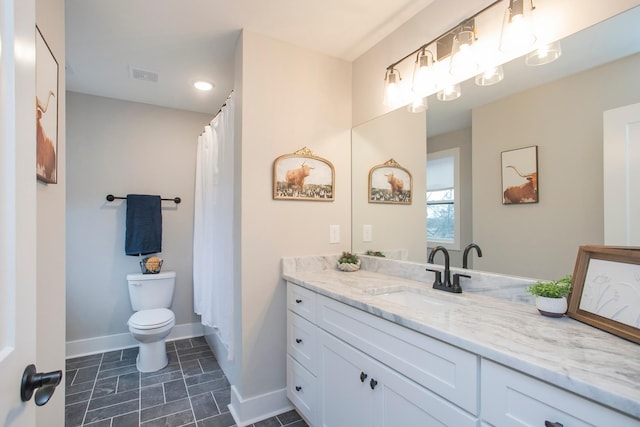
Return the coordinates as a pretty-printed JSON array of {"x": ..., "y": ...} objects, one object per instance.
[
  {"x": 348, "y": 258},
  {"x": 374, "y": 253},
  {"x": 554, "y": 289}
]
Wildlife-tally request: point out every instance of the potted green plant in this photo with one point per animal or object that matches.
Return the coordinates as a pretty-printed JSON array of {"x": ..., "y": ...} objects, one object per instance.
[
  {"x": 374, "y": 253},
  {"x": 551, "y": 297},
  {"x": 349, "y": 262}
]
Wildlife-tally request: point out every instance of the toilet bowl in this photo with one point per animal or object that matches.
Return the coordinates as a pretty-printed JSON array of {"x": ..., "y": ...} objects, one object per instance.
[
  {"x": 151, "y": 296},
  {"x": 150, "y": 328}
]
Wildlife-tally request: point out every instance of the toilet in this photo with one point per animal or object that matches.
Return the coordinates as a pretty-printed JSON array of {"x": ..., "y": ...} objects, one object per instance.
[{"x": 152, "y": 322}]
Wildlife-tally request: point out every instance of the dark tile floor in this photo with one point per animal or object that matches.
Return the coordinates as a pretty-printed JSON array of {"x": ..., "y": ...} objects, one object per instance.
[{"x": 106, "y": 390}]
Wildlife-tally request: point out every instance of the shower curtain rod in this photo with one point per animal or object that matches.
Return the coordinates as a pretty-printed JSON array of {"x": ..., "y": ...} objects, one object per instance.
[{"x": 220, "y": 110}]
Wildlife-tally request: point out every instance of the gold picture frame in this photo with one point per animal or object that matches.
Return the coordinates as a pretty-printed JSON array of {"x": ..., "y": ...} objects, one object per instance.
[
  {"x": 303, "y": 176},
  {"x": 390, "y": 183},
  {"x": 606, "y": 289}
]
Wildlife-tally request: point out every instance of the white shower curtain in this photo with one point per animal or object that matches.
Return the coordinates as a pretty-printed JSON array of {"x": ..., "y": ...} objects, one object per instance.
[{"x": 213, "y": 226}]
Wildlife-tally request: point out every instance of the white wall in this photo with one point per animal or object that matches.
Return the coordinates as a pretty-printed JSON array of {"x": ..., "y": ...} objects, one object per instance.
[
  {"x": 119, "y": 147},
  {"x": 288, "y": 98},
  {"x": 570, "y": 174},
  {"x": 50, "y": 271}
]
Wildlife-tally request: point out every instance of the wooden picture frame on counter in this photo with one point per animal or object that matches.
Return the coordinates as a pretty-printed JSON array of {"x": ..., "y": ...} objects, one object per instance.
[{"x": 606, "y": 290}]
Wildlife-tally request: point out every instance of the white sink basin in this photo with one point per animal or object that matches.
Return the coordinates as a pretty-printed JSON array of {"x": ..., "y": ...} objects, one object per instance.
[{"x": 418, "y": 299}]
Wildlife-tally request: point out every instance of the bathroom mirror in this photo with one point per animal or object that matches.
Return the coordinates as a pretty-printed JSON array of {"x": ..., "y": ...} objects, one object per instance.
[{"x": 557, "y": 107}]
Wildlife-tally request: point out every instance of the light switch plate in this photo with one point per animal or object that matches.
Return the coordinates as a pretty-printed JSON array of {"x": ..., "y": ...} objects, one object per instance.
[
  {"x": 367, "y": 233},
  {"x": 334, "y": 234}
]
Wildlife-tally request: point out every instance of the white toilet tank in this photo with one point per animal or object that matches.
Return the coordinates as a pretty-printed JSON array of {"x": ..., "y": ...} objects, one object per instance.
[{"x": 147, "y": 291}]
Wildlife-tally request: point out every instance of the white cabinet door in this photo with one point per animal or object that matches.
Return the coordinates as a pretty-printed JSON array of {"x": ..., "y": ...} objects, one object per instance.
[
  {"x": 359, "y": 391},
  {"x": 346, "y": 392},
  {"x": 401, "y": 402}
]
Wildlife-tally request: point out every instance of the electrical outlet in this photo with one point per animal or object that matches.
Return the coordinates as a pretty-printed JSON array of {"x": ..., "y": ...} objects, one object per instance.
[
  {"x": 367, "y": 233},
  {"x": 334, "y": 234}
]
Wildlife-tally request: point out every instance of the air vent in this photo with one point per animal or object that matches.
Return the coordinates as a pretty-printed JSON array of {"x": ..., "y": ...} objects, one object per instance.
[{"x": 147, "y": 76}]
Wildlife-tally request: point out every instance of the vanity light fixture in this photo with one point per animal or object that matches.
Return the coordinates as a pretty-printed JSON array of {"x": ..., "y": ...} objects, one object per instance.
[
  {"x": 202, "y": 85},
  {"x": 463, "y": 56},
  {"x": 544, "y": 54},
  {"x": 517, "y": 29},
  {"x": 434, "y": 72},
  {"x": 423, "y": 78},
  {"x": 449, "y": 93},
  {"x": 393, "y": 91},
  {"x": 490, "y": 76},
  {"x": 418, "y": 104}
]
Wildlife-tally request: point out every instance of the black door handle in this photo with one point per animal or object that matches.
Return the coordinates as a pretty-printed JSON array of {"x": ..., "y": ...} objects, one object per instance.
[{"x": 46, "y": 384}]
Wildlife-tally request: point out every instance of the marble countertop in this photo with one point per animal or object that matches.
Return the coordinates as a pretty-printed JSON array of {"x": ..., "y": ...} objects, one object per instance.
[{"x": 561, "y": 351}]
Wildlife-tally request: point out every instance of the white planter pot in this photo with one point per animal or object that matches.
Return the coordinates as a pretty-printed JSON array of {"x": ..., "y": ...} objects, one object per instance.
[{"x": 552, "y": 307}]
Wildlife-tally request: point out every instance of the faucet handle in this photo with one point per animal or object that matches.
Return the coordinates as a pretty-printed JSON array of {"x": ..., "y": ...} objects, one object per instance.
[
  {"x": 438, "y": 274},
  {"x": 456, "y": 281}
]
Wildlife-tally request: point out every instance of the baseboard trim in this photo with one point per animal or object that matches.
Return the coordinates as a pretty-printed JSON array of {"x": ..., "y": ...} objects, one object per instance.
[
  {"x": 248, "y": 411},
  {"x": 120, "y": 341}
]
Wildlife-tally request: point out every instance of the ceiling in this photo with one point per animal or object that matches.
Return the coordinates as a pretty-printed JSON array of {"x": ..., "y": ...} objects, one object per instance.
[
  {"x": 187, "y": 40},
  {"x": 183, "y": 41}
]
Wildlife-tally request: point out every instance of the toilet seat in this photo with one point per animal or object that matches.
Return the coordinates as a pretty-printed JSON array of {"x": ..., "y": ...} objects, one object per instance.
[{"x": 151, "y": 319}]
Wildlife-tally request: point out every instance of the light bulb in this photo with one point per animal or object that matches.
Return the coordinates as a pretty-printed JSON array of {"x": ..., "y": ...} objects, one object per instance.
[
  {"x": 449, "y": 93},
  {"x": 544, "y": 54},
  {"x": 490, "y": 76}
]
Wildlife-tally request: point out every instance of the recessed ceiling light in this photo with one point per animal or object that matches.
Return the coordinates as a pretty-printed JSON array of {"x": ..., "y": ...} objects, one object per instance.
[{"x": 203, "y": 85}]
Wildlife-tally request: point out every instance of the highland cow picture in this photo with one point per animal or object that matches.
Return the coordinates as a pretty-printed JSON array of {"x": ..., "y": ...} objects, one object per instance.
[
  {"x": 390, "y": 183},
  {"x": 303, "y": 176},
  {"x": 46, "y": 111}
]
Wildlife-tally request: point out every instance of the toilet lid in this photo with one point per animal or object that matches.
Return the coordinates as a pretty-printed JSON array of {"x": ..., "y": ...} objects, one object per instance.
[{"x": 151, "y": 319}]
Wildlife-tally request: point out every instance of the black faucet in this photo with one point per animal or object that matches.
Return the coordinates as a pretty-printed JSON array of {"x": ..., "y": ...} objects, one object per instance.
[
  {"x": 466, "y": 253},
  {"x": 447, "y": 285}
]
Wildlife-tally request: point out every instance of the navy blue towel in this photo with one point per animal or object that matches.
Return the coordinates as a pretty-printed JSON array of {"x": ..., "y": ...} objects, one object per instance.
[{"x": 144, "y": 225}]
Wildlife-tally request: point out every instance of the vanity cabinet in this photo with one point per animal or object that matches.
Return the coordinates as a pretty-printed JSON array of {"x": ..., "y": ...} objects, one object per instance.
[
  {"x": 510, "y": 398},
  {"x": 358, "y": 391},
  {"x": 348, "y": 368}
]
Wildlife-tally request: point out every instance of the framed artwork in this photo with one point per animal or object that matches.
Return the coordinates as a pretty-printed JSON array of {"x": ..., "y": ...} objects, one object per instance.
[
  {"x": 303, "y": 176},
  {"x": 606, "y": 290},
  {"x": 46, "y": 112},
  {"x": 520, "y": 176},
  {"x": 390, "y": 183}
]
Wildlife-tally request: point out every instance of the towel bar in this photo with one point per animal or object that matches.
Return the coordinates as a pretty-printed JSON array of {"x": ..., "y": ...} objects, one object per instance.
[{"x": 111, "y": 198}]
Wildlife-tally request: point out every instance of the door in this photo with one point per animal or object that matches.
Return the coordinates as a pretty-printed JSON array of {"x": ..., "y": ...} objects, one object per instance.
[
  {"x": 622, "y": 176},
  {"x": 17, "y": 207}
]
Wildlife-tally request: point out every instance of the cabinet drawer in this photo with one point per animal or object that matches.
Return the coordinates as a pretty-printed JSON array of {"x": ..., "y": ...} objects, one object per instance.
[
  {"x": 302, "y": 341},
  {"x": 510, "y": 398},
  {"x": 302, "y": 389},
  {"x": 444, "y": 369},
  {"x": 301, "y": 301}
]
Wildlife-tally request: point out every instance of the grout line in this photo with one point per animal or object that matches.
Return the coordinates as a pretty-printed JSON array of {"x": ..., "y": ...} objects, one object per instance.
[
  {"x": 216, "y": 402},
  {"x": 139, "y": 396},
  {"x": 186, "y": 388},
  {"x": 95, "y": 380}
]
